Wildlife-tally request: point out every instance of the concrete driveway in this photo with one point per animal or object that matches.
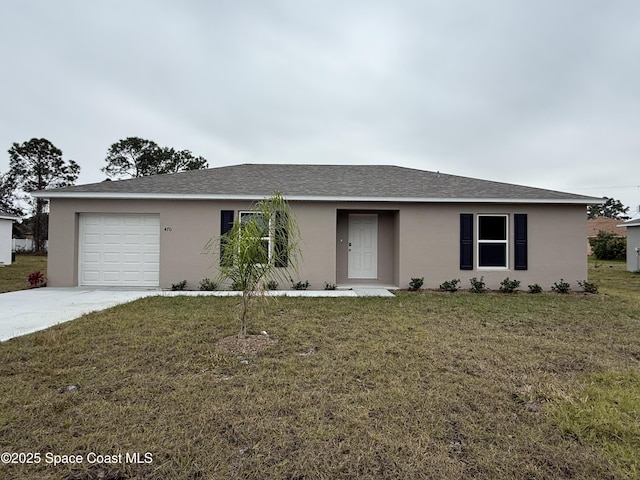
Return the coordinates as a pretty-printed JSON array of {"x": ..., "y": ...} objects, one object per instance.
[{"x": 28, "y": 311}]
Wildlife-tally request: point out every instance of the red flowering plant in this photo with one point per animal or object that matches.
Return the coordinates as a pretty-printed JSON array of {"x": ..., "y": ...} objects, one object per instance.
[{"x": 37, "y": 279}]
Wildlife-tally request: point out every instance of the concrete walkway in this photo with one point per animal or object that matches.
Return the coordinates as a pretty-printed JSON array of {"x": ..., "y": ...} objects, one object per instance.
[{"x": 28, "y": 311}]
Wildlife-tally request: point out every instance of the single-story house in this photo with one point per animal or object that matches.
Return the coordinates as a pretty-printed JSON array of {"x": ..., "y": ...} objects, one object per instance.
[
  {"x": 633, "y": 244},
  {"x": 360, "y": 225},
  {"x": 603, "y": 224},
  {"x": 6, "y": 228}
]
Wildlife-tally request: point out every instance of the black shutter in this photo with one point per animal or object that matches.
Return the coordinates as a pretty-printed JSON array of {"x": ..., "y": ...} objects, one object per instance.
[
  {"x": 520, "y": 241},
  {"x": 226, "y": 224},
  {"x": 281, "y": 240},
  {"x": 466, "y": 241}
]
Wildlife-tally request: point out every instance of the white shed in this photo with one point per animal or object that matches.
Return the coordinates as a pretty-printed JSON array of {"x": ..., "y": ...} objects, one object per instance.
[
  {"x": 633, "y": 244},
  {"x": 6, "y": 222}
]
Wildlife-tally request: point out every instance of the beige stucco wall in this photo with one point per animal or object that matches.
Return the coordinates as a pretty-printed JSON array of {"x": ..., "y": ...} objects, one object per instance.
[
  {"x": 415, "y": 240},
  {"x": 430, "y": 237},
  {"x": 185, "y": 228}
]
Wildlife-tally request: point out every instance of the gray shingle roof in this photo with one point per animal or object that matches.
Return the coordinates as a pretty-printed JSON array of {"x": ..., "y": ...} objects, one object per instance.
[{"x": 369, "y": 182}]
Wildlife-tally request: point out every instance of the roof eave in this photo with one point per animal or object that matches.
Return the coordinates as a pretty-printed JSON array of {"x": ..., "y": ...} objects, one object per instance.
[{"x": 307, "y": 198}]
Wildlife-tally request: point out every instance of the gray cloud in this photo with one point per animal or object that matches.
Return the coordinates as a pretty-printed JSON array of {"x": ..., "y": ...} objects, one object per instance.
[{"x": 539, "y": 93}]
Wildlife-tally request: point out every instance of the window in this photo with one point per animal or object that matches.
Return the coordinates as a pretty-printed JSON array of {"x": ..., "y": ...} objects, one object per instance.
[
  {"x": 256, "y": 225},
  {"x": 493, "y": 251}
]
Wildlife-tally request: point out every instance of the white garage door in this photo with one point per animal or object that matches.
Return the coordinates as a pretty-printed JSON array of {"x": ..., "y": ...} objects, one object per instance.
[{"x": 119, "y": 250}]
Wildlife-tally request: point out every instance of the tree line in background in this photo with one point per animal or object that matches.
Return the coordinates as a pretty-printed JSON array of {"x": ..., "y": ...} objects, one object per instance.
[{"x": 37, "y": 164}]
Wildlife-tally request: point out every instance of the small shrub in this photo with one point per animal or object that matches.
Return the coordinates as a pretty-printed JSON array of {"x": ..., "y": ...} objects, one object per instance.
[
  {"x": 329, "y": 286},
  {"x": 37, "y": 279},
  {"x": 179, "y": 286},
  {"x": 588, "y": 287},
  {"x": 416, "y": 283},
  {"x": 206, "y": 284},
  {"x": 450, "y": 285},
  {"x": 561, "y": 287},
  {"x": 509, "y": 286},
  {"x": 535, "y": 288},
  {"x": 477, "y": 286},
  {"x": 300, "y": 285},
  {"x": 272, "y": 285}
]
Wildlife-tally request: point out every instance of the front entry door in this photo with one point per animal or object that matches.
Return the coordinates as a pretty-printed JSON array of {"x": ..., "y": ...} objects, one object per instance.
[{"x": 363, "y": 246}]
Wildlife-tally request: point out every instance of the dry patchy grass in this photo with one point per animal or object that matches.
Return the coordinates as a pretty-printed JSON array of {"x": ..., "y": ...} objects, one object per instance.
[{"x": 426, "y": 385}]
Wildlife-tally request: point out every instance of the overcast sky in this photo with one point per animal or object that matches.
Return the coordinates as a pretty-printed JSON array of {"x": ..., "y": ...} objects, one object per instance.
[{"x": 543, "y": 93}]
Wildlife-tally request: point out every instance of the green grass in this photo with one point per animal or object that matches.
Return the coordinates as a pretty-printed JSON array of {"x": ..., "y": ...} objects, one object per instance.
[
  {"x": 424, "y": 385},
  {"x": 605, "y": 413},
  {"x": 614, "y": 279},
  {"x": 14, "y": 277}
]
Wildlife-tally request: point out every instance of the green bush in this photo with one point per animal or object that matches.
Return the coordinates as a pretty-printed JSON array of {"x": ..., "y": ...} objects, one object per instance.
[
  {"x": 589, "y": 287},
  {"x": 179, "y": 286},
  {"x": 300, "y": 285},
  {"x": 272, "y": 285},
  {"x": 509, "y": 286},
  {"x": 450, "y": 285},
  {"x": 206, "y": 284},
  {"x": 607, "y": 246},
  {"x": 535, "y": 288},
  {"x": 329, "y": 286},
  {"x": 477, "y": 286},
  {"x": 561, "y": 287},
  {"x": 416, "y": 283}
]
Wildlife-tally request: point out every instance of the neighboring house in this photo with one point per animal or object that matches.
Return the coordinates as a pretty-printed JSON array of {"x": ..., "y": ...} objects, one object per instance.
[
  {"x": 633, "y": 244},
  {"x": 603, "y": 224},
  {"x": 6, "y": 224},
  {"x": 361, "y": 225}
]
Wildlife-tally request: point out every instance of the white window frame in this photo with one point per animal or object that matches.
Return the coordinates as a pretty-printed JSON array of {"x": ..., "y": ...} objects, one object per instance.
[
  {"x": 268, "y": 238},
  {"x": 504, "y": 242}
]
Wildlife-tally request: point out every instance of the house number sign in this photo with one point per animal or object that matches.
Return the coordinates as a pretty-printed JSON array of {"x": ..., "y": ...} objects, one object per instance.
[{"x": 168, "y": 229}]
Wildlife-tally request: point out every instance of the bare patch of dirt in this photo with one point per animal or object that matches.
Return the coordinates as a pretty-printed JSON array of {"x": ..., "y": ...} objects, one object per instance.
[{"x": 251, "y": 344}]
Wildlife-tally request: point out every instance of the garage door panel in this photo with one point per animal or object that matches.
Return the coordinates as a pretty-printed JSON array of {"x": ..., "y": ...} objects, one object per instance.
[
  {"x": 91, "y": 239},
  {"x": 148, "y": 277},
  {"x": 111, "y": 276},
  {"x": 111, "y": 257},
  {"x": 91, "y": 276},
  {"x": 132, "y": 276},
  {"x": 112, "y": 220},
  {"x": 131, "y": 239},
  {"x": 150, "y": 257},
  {"x": 150, "y": 239},
  {"x": 91, "y": 257},
  {"x": 133, "y": 221},
  {"x": 112, "y": 239},
  {"x": 132, "y": 258},
  {"x": 119, "y": 249}
]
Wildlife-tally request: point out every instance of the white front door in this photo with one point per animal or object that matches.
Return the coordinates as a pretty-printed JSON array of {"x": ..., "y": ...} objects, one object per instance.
[{"x": 363, "y": 246}]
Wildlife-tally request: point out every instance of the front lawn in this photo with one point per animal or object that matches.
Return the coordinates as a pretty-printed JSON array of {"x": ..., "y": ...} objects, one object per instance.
[
  {"x": 14, "y": 277},
  {"x": 424, "y": 385}
]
